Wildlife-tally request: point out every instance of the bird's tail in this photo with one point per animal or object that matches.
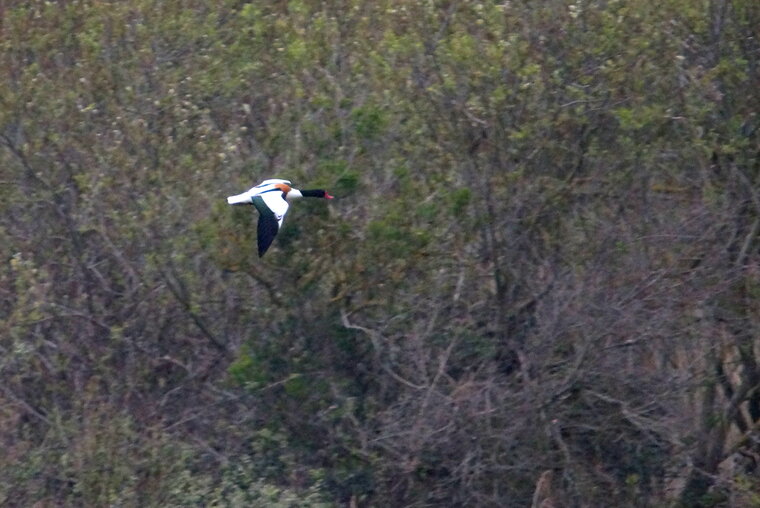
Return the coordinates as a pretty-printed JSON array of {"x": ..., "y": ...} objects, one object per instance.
[{"x": 240, "y": 199}]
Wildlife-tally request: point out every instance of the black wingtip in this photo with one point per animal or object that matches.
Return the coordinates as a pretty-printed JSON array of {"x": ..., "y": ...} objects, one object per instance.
[{"x": 264, "y": 245}]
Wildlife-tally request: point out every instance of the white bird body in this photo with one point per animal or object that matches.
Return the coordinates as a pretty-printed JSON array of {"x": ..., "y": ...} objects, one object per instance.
[{"x": 271, "y": 192}]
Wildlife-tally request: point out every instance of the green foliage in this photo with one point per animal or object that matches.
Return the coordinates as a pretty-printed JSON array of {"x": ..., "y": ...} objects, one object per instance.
[
  {"x": 347, "y": 184},
  {"x": 369, "y": 121},
  {"x": 460, "y": 199},
  {"x": 544, "y": 244}
]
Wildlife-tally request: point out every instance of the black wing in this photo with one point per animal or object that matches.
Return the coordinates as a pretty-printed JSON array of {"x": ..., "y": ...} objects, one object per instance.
[
  {"x": 268, "y": 225},
  {"x": 267, "y": 230}
]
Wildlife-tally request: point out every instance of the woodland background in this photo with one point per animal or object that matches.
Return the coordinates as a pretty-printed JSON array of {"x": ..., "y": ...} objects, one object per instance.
[{"x": 539, "y": 282}]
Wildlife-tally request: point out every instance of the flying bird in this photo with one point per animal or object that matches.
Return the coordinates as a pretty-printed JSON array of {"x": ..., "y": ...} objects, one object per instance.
[{"x": 271, "y": 198}]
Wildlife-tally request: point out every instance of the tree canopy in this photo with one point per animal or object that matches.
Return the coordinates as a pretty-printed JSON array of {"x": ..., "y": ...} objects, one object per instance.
[{"x": 539, "y": 282}]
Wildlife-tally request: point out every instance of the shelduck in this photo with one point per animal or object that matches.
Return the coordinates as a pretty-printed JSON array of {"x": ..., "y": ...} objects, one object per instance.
[{"x": 271, "y": 198}]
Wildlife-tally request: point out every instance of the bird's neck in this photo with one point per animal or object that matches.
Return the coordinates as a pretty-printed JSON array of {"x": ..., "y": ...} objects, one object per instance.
[
  {"x": 313, "y": 193},
  {"x": 293, "y": 194}
]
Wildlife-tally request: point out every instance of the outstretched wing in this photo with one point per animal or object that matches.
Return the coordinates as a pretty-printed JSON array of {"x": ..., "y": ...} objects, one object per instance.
[
  {"x": 267, "y": 230},
  {"x": 272, "y": 181},
  {"x": 272, "y": 208}
]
